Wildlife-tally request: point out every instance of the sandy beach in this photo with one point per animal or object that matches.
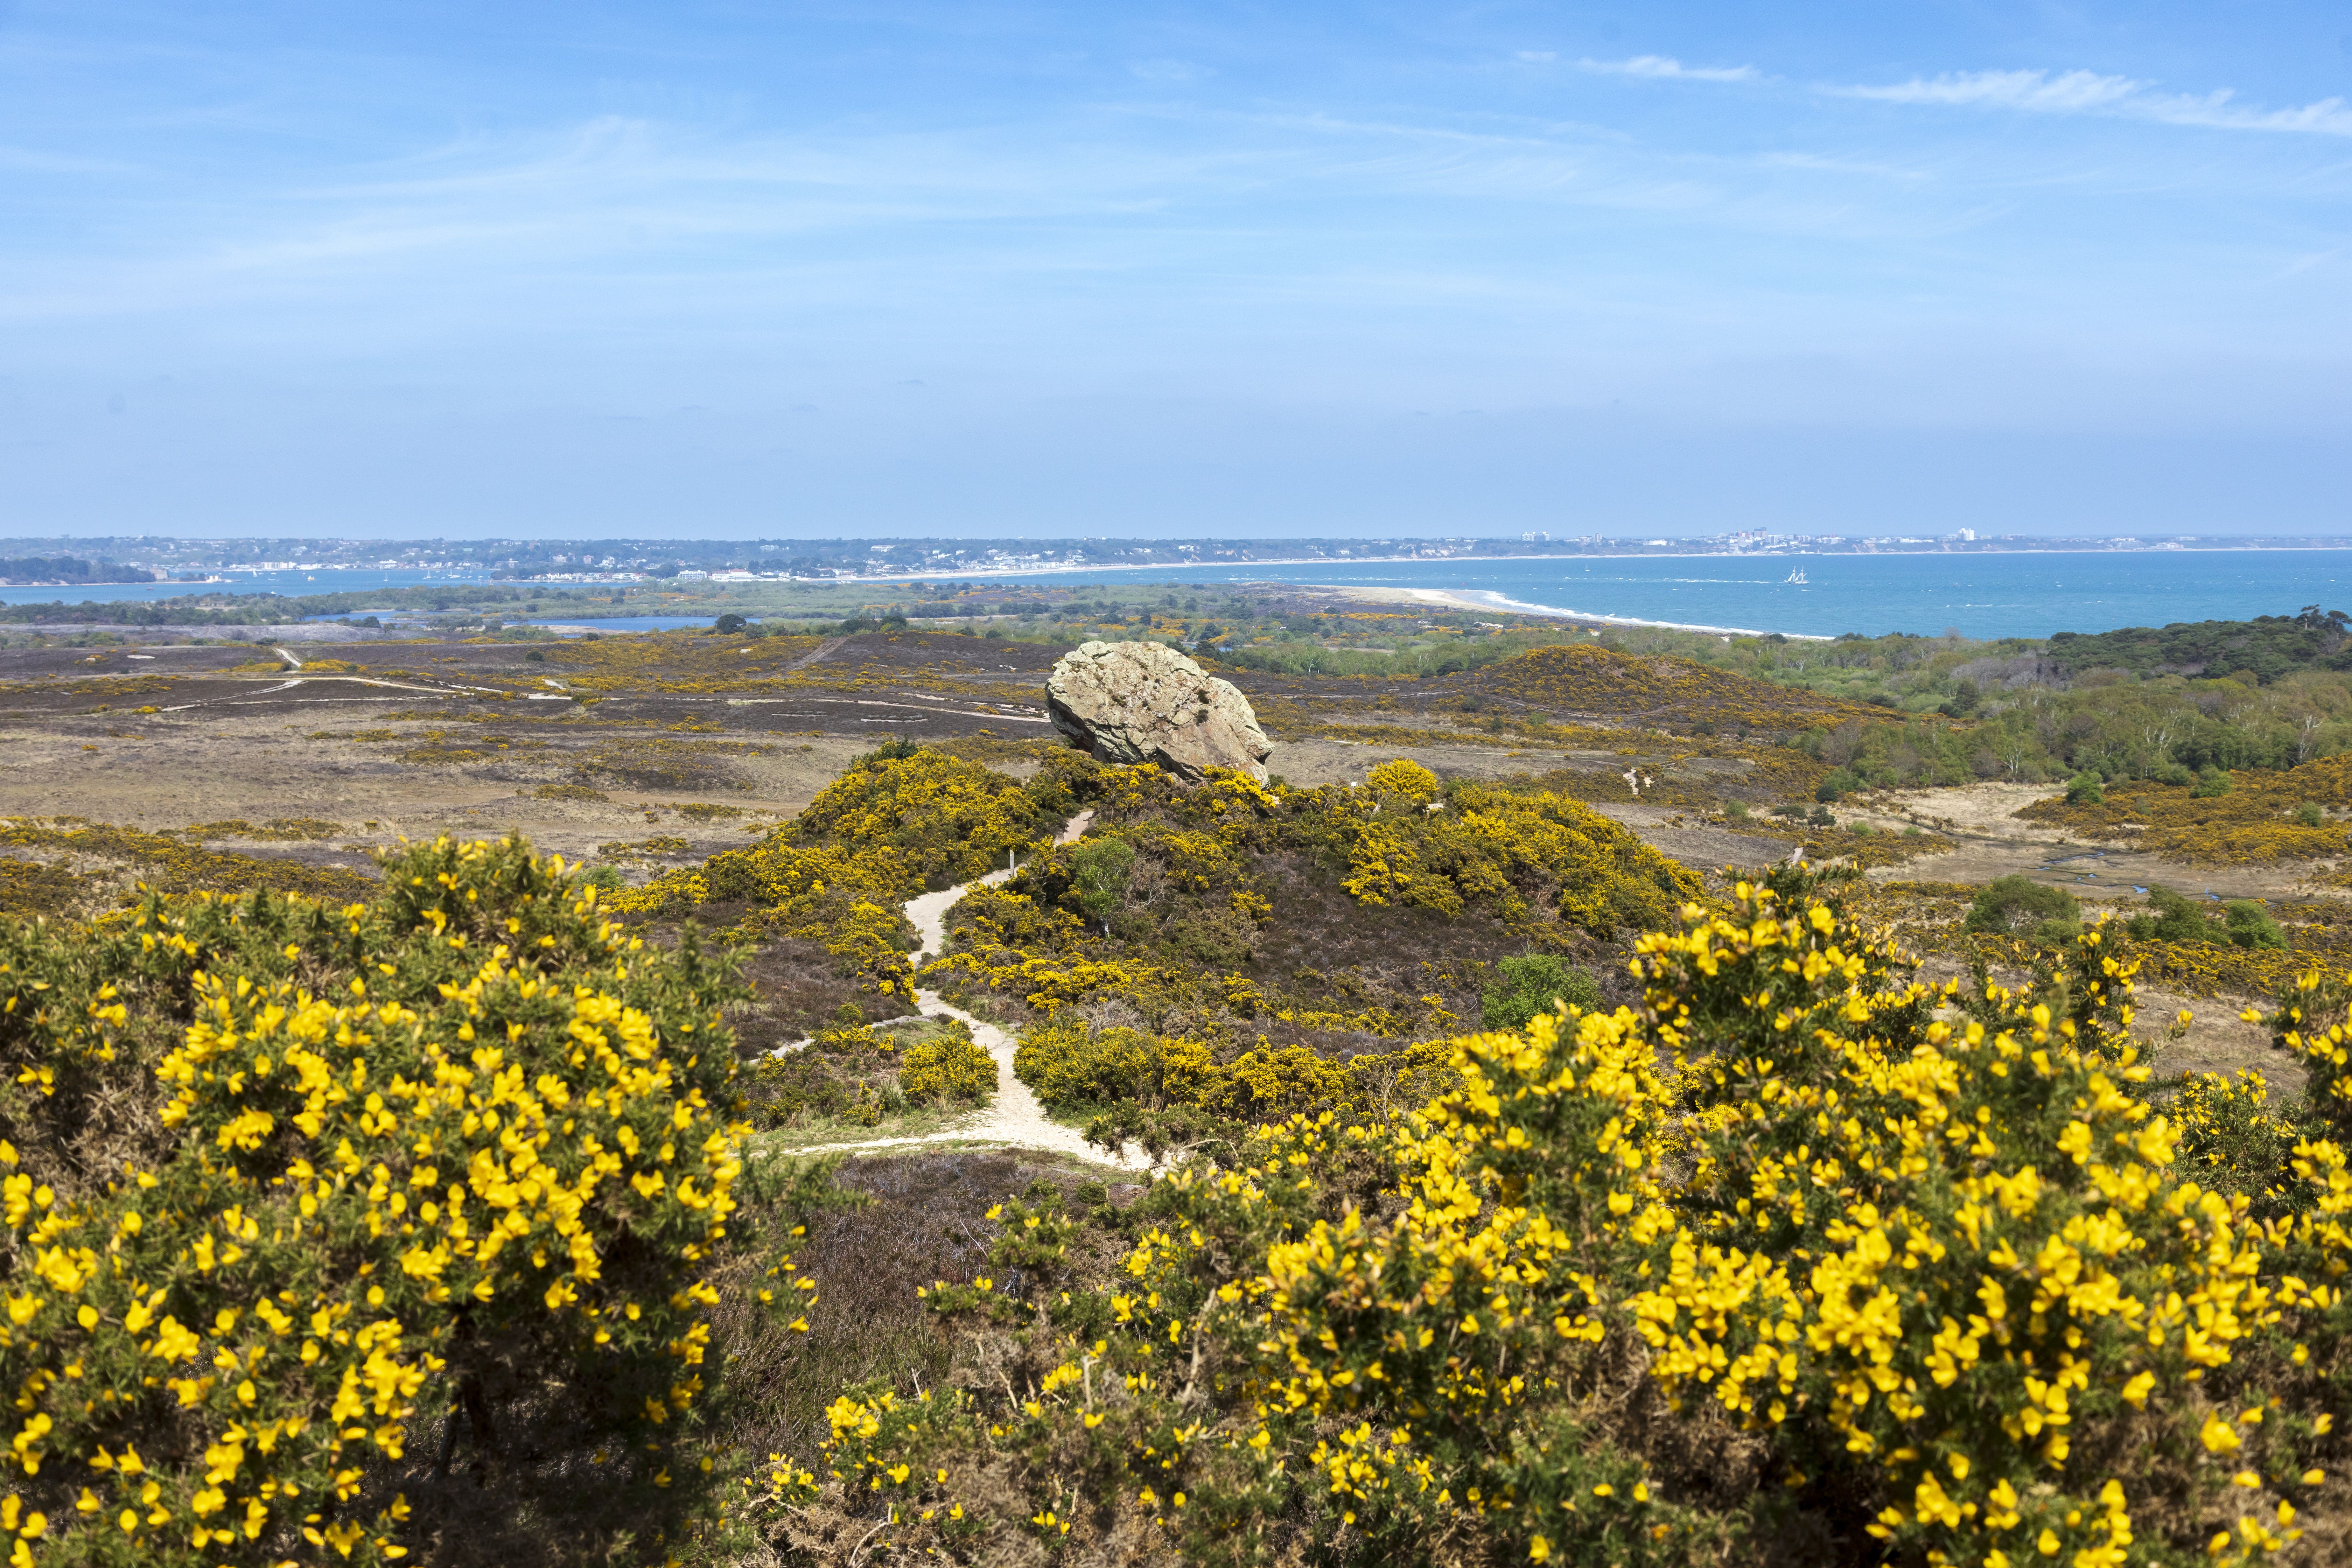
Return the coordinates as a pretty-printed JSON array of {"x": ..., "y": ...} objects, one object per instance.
[{"x": 1493, "y": 604}]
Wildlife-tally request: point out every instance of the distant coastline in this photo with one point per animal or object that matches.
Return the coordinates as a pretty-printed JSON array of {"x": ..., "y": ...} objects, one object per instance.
[
  {"x": 160, "y": 587},
  {"x": 292, "y": 566},
  {"x": 1978, "y": 549},
  {"x": 1982, "y": 592}
]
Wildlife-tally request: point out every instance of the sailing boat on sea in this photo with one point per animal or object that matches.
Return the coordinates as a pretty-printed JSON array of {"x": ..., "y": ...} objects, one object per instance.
[{"x": 1797, "y": 576}]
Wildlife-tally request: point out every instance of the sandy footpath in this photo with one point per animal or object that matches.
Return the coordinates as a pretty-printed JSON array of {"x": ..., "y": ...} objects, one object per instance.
[{"x": 1015, "y": 1117}]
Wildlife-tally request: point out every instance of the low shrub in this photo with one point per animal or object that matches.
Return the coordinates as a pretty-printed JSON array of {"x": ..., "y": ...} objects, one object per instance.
[
  {"x": 2244, "y": 922},
  {"x": 1535, "y": 983},
  {"x": 792, "y": 1084},
  {"x": 1069, "y": 1063},
  {"x": 951, "y": 1066},
  {"x": 2251, "y": 925},
  {"x": 853, "y": 1040},
  {"x": 1405, "y": 779},
  {"x": 2176, "y": 918},
  {"x": 1100, "y": 869},
  {"x": 951, "y": 819}
]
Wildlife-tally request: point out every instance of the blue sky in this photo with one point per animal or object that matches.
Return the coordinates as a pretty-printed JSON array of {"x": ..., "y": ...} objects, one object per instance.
[{"x": 1149, "y": 268}]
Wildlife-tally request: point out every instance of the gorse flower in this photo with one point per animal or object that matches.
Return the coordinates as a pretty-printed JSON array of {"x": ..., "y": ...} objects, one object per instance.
[
  {"x": 468, "y": 1123},
  {"x": 1933, "y": 1253}
]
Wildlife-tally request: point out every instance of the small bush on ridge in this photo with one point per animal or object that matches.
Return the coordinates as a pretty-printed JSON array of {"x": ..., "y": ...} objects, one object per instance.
[{"x": 951, "y": 1066}]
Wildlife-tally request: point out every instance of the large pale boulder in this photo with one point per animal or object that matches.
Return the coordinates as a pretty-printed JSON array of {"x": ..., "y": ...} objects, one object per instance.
[{"x": 1144, "y": 703}]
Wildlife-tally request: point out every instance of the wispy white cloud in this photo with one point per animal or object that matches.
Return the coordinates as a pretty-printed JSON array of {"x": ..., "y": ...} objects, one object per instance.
[
  {"x": 35, "y": 161},
  {"x": 2072, "y": 92},
  {"x": 2120, "y": 97},
  {"x": 1666, "y": 69},
  {"x": 1820, "y": 163}
]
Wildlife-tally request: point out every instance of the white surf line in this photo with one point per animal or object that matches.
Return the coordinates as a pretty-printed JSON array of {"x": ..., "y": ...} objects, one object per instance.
[{"x": 1488, "y": 599}]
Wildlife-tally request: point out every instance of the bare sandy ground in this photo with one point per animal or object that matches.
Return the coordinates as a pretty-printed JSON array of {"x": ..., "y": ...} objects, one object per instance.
[
  {"x": 154, "y": 772},
  {"x": 1706, "y": 850},
  {"x": 1314, "y": 762},
  {"x": 1994, "y": 842}
]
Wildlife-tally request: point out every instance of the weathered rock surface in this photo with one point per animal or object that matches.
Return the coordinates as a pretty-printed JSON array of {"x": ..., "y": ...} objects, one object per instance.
[{"x": 1144, "y": 703}]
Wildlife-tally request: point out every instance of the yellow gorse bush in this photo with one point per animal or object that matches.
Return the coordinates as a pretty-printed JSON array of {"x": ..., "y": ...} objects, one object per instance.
[
  {"x": 1940, "y": 1254},
  {"x": 899, "y": 820},
  {"x": 951, "y": 1066},
  {"x": 1071, "y": 1064},
  {"x": 2251, "y": 825},
  {"x": 1542, "y": 864},
  {"x": 470, "y": 1125},
  {"x": 951, "y": 819},
  {"x": 1919, "y": 1263}
]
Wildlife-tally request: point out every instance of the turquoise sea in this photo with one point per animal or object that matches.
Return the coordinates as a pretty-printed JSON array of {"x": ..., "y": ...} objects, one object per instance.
[
  {"x": 325, "y": 580},
  {"x": 2014, "y": 594},
  {"x": 2018, "y": 594}
]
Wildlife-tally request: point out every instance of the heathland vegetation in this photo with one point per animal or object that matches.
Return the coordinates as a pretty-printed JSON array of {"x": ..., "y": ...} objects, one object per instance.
[
  {"x": 1517, "y": 1192},
  {"x": 430, "y": 1223}
]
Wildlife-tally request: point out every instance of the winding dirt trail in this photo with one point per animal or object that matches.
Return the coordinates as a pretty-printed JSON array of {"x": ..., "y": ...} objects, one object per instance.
[{"x": 1013, "y": 1117}]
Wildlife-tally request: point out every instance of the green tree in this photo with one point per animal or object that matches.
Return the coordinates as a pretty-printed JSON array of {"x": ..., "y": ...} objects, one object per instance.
[
  {"x": 2018, "y": 906},
  {"x": 1099, "y": 869},
  {"x": 2251, "y": 925},
  {"x": 2176, "y": 919}
]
